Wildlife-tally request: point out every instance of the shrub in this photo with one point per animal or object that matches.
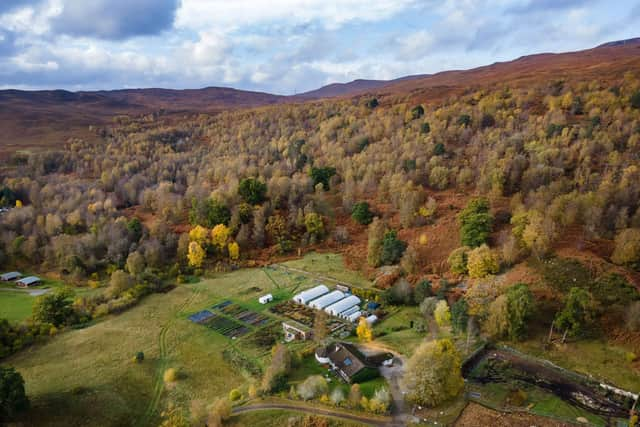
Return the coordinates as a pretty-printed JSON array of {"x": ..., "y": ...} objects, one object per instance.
[
  {"x": 234, "y": 395},
  {"x": 458, "y": 260},
  {"x": 417, "y": 112},
  {"x": 170, "y": 375},
  {"x": 361, "y": 213},
  {"x": 139, "y": 357},
  {"x": 313, "y": 387},
  {"x": 464, "y": 120},
  {"x": 322, "y": 176},
  {"x": 252, "y": 190},
  {"x": 372, "y": 103},
  {"x": 425, "y": 128},
  {"x": 627, "y": 250},
  {"x": 438, "y": 149},
  {"x": 635, "y": 100},
  {"x": 487, "y": 121},
  {"x": 392, "y": 248},
  {"x": 13, "y": 398},
  {"x": 442, "y": 314}
]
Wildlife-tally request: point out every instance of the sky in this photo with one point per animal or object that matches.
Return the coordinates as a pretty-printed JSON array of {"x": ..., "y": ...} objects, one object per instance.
[{"x": 284, "y": 46}]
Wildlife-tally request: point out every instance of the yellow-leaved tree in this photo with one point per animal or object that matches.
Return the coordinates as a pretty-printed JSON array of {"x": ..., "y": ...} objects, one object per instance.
[
  {"x": 234, "y": 251},
  {"x": 220, "y": 235},
  {"x": 442, "y": 314},
  {"x": 364, "y": 331},
  {"x": 196, "y": 255},
  {"x": 199, "y": 234},
  {"x": 482, "y": 261}
]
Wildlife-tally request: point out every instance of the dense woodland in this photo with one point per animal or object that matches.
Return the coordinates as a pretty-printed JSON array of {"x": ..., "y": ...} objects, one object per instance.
[{"x": 160, "y": 199}]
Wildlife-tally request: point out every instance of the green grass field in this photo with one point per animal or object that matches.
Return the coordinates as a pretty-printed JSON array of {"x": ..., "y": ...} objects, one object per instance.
[
  {"x": 89, "y": 373},
  {"x": 15, "y": 306},
  {"x": 329, "y": 265}
]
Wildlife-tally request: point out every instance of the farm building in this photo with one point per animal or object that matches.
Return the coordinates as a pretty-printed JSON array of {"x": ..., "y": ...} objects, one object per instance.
[
  {"x": 345, "y": 314},
  {"x": 265, "y": 299},
  {"x": 372, "y": 319},
  {"x": 342, "y": 305},
  {"x": 310, "y": 294},
  {"x": 354, "y": 317},
  {"x": 348, "y": 362},
  {"x": 28, "y": 281},
  {"x": 327, "y": 300},
  {"x": 13, "y": 275},
  {"x": 295, "y": 331}
]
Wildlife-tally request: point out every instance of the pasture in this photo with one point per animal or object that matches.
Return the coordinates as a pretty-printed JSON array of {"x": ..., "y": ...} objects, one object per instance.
[{"x": 89, "y": 373}]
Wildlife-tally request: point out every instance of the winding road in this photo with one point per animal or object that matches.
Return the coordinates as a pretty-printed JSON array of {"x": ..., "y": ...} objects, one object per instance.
[{"x": 313, "y": 411}]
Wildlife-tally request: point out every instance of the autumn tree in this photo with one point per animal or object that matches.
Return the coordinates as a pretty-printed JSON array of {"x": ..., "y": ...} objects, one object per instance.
[
  {"x": 364, "y": 331},
  {"x": 135, "y": 263},
  {"x": 442, "y": 314},
  {"x": 315, "y": 225},
  {"x": 374, "y": 243},
  {"x": 458, "y": 260},
  {"x": 234, "y": 251},
  {"x": 476, "y": 223},
  {"x": 482, "y": 261},
  {"x": 196, "y": 255},
  {"x": 220, "y": 236},
  {"x": 119, "y": 282},
  {"x": 633, "y": 316},
  {"x": 497, "y": 323},
  {"x": 275, "y": 375},
  {"x": 320, "y": 328},
  {"x": 433, "y": 374},
  {"x": 322, "y": 176},
  {"x": 627, "y": 249},
  {"x": 199, "y": 235}
]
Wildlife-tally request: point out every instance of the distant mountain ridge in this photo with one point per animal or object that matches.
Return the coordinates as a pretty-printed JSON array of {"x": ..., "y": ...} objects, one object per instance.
[{"x": 37, "y": 119}]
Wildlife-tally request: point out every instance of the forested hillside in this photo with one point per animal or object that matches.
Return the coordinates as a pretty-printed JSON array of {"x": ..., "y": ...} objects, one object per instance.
[{"x": 553, "y": 161}]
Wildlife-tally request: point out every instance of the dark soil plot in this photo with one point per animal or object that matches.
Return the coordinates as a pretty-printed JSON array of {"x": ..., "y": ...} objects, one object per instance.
[
  {"x": 221, "y": 305},
  {"x": 297, "y": 312},
  {"x": 233, "y": 310},
  {"x": 226, "y": 327},
  {"x": 252, "y": 318},
  {"x": 201, "y": 316}
]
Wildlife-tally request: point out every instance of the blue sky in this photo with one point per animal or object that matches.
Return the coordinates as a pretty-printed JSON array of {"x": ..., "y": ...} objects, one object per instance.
[{"x": 284, "y": 46}]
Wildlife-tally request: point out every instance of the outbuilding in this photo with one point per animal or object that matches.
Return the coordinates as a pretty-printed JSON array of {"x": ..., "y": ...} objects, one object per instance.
[
  {"x": 372, "y": 319},
  {"x": 342, "y": 305},
  {"x": 13, "y": 275},
  {"x": 28, "y": 281},
  {"x": 349, "y": 312},
  {"x": 310, "y": 294},
  {"x": 265, "y": 299},
  {"x": 326, "y": 300},
  {"x": 353, "y": 318}
]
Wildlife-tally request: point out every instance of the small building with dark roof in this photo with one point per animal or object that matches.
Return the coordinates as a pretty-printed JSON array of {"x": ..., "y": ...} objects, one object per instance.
[
  {"x": 13, "y": 275},
  {"x": 28, "y": 281},
  {"x": 348, "y": 362}
]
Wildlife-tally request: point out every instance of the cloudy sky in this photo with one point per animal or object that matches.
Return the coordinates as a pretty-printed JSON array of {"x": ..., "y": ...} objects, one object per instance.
[{"x": 284, "y": 46}]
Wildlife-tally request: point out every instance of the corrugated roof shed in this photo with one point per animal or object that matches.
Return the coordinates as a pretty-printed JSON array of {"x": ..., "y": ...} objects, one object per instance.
[
  {"x": 28, "y": 281},
  {"x": 12, "y": 275}
]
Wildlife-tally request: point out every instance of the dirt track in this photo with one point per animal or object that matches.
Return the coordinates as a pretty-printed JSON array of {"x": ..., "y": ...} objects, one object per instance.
[{"x": 314, "y": 411}]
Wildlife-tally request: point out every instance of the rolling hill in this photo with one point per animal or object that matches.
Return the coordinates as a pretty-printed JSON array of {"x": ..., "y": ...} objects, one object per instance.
[{"x": 39, "y": 119}]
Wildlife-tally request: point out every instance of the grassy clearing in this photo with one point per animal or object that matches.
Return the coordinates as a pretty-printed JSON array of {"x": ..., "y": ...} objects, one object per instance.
[
  {"x": 397, "y": 332},
  {"x": 88, "y": 373},
  {"x": 589, "y": 357},
  {"x": 329, "y": 265},
  {"x": 15, "y": 305}
]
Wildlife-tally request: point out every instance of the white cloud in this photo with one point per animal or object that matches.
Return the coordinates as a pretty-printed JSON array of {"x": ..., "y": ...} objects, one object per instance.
[{"x": 227, "y": 15}]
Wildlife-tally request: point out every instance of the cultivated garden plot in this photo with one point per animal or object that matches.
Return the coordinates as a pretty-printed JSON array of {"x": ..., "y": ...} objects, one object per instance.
[
  {"x": 304, "y": 315},
  {"x": 230, "y": 319}
]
